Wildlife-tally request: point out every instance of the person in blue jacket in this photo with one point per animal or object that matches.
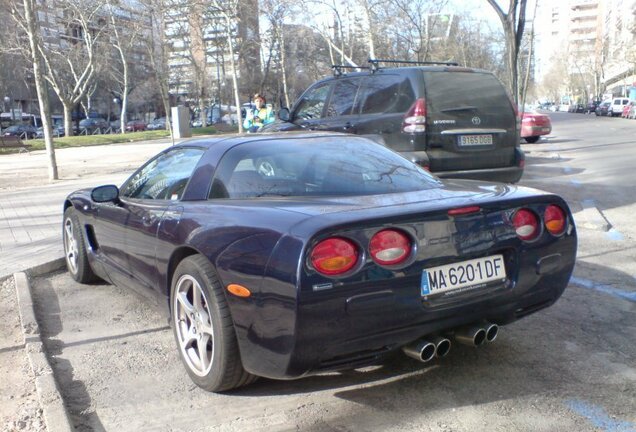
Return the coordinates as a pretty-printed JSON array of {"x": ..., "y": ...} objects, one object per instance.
[{"x": 259, "y": 116}]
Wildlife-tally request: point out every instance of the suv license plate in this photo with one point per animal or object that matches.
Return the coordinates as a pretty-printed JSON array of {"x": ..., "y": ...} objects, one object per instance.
[
  {"x": 463, "y": 275},
  {"x": 475, "y": 140}
]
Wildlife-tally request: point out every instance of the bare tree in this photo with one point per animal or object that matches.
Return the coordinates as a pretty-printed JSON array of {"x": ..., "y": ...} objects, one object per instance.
[
  {"x": 28, "y": 22},
  {"x": 513, "y": 22},
  {"x": 70, "y": 64},
  {"x": 228, "y": 10},
  {"x": 158, "y": 50}
]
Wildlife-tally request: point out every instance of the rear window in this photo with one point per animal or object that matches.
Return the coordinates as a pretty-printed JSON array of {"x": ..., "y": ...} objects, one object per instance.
[
  {"x": 385, "y": 94},
  {"x": 329, "y": 166},
  {"x": 449, "y": 92}
]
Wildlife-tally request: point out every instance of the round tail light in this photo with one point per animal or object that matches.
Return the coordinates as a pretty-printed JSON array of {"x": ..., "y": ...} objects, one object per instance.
[
  {"x": 526, "y": 225},
  {"x": 390, "y": 247},
  {"x": 334, "y": 256},
  {"x": 554, "y": 219}
]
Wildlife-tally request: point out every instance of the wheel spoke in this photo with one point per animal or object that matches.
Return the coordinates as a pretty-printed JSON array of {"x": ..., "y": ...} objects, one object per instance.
[
  {"x": 182, "y": 298},
  {"x": 196, "y": 297},
  {"x": 202, "y": 346},
  {"x": 188, "y": 338},
  {"x": 206, "y": 325}
]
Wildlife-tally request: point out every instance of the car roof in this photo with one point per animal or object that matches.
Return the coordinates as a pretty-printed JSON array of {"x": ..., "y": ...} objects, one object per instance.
[{"x": 232, "y": 140}]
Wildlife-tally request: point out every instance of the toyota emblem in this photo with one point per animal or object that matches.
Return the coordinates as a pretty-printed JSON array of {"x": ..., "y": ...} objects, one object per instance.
[{"x": 476, "y": 121}]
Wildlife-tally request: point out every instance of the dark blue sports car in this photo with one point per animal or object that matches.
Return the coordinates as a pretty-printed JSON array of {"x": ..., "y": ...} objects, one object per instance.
[{"x": 287, "y": 255}]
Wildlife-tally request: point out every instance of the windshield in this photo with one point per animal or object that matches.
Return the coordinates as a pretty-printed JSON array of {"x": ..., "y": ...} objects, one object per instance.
[{"x": 325, "y": 166}]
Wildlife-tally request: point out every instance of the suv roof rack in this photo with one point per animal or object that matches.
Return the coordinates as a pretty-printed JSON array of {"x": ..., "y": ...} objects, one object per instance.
[
  {"x": 337, "y": 69},
  {"x": 375, "y": 63}
]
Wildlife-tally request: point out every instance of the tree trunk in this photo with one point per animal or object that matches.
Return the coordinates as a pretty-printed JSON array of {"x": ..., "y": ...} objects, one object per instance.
[
  {"x": 68, "y": 118},
  {"x": 40, "y": 85},
  {"x": 281, "y": 45},
  {"x": 237, "y": 99}
]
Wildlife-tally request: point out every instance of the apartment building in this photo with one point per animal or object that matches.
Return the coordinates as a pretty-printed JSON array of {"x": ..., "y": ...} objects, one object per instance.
[
  {"x": 199, "y": 58},
  {"x": 590, "y": 41}
]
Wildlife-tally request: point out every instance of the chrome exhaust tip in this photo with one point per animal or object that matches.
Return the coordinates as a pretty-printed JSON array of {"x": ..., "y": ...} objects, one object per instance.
[
  {"x": 421, "y": 350},
  {"x": 492, "y": 330},
  {"x": 442, "y": 346},
  {"x": 474, "y": 335}
]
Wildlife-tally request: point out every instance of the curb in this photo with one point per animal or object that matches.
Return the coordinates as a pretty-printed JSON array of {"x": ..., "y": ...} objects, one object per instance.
[
  {"x": 591, "y": 217},
  {"x": 55, "y": 414}
]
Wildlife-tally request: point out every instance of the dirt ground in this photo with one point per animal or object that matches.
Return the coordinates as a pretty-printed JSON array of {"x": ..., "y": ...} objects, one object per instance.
[
  {"x": 19, "y": 405},
  {"x": 570, "y": 367}
]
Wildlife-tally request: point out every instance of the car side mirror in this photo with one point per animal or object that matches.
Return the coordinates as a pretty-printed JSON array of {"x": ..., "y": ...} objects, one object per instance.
[
  {"x": 107, "y": 193},
  {"x": 284, "y": 114}
]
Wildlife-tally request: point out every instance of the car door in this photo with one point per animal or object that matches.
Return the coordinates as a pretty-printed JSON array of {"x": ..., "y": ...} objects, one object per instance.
[
  {"x": 308, "y": 112},
  {"x": 340, "y": 114},
  {"x": 151, "y": 193}
]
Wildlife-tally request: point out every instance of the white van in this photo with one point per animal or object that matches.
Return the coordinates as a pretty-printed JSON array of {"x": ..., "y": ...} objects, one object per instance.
[{"x": 617, "y": 106}]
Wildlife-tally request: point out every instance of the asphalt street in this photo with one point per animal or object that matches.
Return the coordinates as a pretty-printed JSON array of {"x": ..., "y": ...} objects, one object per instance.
[{"x": 569, "y": 367}]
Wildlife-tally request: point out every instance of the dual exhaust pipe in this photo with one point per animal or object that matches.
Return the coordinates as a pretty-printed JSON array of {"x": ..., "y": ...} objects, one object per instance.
[{"x": 425, "y": 350}]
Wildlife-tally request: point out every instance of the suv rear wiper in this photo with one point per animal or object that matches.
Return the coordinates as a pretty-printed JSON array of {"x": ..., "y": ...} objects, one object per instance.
[{"x": 463, "y": 108}]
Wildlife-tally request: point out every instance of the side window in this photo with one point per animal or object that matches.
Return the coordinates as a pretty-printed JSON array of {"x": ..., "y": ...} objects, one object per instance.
[
  {"x": 164, "y": 177},
  {"x": 313, "y": 102},
  {"x": 343, "y": 97},
  {"x": 386, "y": 94}
]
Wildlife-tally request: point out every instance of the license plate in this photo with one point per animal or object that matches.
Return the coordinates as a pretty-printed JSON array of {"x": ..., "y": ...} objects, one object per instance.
[
  {"x": 463, "y": 276},
  {"x": 475, "y": 140}
]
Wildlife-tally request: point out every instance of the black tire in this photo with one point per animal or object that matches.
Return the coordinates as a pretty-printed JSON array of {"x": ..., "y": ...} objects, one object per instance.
[
  {"x": 75, "y": 248},
  {"x": 531, "y": 139},
  {"x": 221, "y": 368}
]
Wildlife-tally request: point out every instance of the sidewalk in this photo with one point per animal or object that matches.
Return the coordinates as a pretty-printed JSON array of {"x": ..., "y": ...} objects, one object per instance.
[{"x": 31, "y": 205}]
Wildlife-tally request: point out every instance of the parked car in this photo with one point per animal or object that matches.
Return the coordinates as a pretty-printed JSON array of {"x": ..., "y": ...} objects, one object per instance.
[
  {"x": 604, "y": 108},
  {"x": 94, "y": 125},
  {"x": 343, "y": 255},
  {"x": 21, "y": 131},
  {"x": 57, "y": 130},
  {"x": 591, "y": 107},
  {"x": 135, "y": 126},
  {"x": 157, "y": 124},
  {"x": 576, "y": 108},
  {"x": 534, "y": 125},
  {"x": 617, "y": 106},
  {"x": 627, "y": 108},
  {"x": 454, "y": 121}
]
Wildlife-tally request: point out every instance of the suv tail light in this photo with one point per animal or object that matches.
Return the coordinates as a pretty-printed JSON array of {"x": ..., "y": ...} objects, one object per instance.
[
  {"x": 554, "y": 220},
  {"x": 415, "y": 118},
  {"x": 390, "y": 247},
  {"x": 526, "y": 224},
  {"x": 334, "y": 256}
]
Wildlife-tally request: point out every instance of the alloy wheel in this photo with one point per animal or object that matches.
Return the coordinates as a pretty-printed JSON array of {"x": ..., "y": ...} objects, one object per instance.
[
  {"x": 71, "y": 249},
  {"x": 193, "y": 325}
]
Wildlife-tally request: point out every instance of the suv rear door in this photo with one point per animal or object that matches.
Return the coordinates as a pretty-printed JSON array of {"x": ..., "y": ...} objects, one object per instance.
[{"x": 470, "y": 124}]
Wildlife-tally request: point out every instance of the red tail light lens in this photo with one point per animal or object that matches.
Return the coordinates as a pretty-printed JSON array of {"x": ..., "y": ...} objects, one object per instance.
[
  {"x": 334, "y": 256},
  {"x": 390, "y": 247},
  {"x": 526, "y": 224},
  {"x": 554, "y": 219},
  {"x": 415, "y": 118}
]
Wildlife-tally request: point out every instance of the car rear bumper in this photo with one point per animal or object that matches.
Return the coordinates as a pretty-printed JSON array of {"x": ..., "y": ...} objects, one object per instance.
[
  {"x": 528, "y": 131},
  {"x": 504, "y": 175},
  {"x": 363, "y": 324}
]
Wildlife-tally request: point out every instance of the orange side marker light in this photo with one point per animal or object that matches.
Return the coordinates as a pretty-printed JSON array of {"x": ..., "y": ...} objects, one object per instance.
[{"x": 239, "y": 290}]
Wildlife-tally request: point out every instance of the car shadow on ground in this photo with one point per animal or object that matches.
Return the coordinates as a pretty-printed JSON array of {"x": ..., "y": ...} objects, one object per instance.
[{"x": 74, "y": 392}]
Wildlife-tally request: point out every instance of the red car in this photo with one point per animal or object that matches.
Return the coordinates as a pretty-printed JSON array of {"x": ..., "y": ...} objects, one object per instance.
[
  {"x": 533, "y": 125},
  {"x": 135, "y": 125}
]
